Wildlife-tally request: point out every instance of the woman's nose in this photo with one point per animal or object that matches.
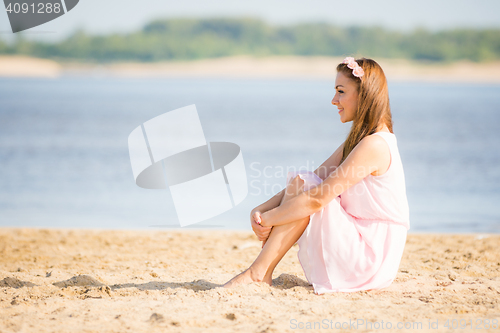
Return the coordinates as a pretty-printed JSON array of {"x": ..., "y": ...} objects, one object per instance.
[{"x": 334, "y": 101}]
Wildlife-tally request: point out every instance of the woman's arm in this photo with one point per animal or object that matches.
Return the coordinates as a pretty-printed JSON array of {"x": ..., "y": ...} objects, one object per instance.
[
  {"x": 261, "y": 231},
  {"x": 274, "y": 202},
  {"x": 322, "y": 171},
  {"x": 367, "y": 157},
  {"x": 330, "y": 164}
]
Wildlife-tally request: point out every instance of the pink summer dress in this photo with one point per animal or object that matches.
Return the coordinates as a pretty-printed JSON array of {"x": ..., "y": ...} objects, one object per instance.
[{"x": 356, "y": 241}]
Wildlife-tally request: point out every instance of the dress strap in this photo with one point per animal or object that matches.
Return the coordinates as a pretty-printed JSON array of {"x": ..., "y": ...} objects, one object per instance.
[
  {"x": 386, "y": 137},
  {"x": 391, "y": 143}
]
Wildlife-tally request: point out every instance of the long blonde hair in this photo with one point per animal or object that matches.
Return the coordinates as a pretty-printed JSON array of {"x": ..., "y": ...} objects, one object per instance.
[{"x": 373, "y": 103}]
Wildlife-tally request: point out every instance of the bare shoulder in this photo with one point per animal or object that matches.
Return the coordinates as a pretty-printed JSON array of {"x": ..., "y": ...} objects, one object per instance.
[
  {"x": 377, "y": 148},
  {"x": 374, "y": 143}
]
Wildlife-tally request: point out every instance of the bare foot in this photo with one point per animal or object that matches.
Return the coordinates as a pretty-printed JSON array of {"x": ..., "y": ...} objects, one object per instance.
[{"x": 246, "y": 277}]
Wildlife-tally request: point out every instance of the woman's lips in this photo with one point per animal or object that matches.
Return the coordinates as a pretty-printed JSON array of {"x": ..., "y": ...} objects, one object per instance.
[{"x": 341, "y": 110}]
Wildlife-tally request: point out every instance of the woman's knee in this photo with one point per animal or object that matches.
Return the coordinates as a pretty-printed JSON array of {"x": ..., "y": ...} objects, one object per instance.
[
  {"x": 293, "y": 176},
  {"x": 297, "y": 181},
  {"x": 295, "y": 186}
]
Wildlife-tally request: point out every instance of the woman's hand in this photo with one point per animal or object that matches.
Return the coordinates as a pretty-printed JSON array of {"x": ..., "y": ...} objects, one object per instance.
[{"x": 261, "y": 232}]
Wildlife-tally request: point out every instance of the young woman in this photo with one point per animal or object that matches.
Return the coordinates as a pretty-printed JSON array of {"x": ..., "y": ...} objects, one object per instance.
[{"x": 350, "y": 216}]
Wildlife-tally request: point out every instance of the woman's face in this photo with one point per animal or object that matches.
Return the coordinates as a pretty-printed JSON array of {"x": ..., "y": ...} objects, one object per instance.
[{"x": 346, "y": 97}]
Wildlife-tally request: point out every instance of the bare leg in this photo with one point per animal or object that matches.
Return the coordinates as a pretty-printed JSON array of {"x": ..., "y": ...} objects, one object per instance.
[{"x": 280, "y": 240}]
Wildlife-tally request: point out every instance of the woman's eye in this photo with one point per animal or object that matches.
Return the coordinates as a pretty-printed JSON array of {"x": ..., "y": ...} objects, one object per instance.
[{"x": 340, "y": 91}]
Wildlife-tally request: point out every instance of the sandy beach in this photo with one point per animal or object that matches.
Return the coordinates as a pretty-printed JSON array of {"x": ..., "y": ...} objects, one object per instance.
[
  {"x": 283, "y": 67},
  {"x": 58, "y": 280}
]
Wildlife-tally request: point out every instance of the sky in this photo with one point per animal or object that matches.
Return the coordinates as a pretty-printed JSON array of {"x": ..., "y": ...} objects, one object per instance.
[{"x": 107, "y": 16}]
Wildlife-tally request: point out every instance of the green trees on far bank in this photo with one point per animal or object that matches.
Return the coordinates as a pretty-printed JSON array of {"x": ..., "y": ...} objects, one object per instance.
[{"x": 186, "y": 39}]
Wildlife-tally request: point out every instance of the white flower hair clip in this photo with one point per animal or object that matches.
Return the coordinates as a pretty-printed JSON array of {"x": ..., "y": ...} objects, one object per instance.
[{"x": 357, "y": 70}]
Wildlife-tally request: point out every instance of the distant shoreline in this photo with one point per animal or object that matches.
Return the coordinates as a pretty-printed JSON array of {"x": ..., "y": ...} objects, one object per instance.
[{"x": 250, "y": 67}]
